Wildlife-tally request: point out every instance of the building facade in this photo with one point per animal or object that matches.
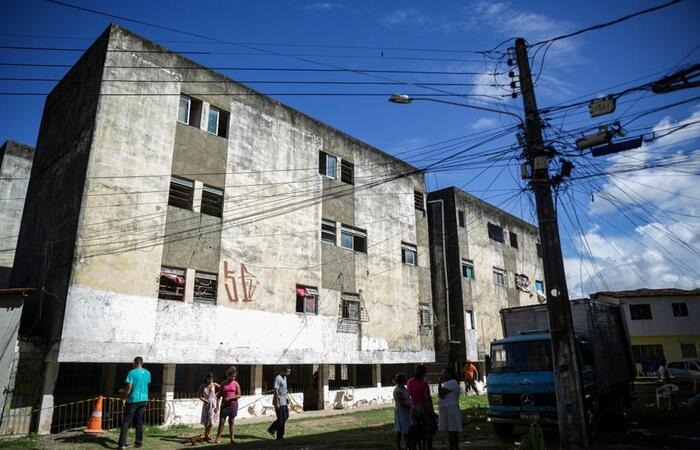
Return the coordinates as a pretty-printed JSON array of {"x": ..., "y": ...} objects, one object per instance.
[
  {"x": 177, "y": 215},
  {"x": 483, "y": 259},
  {"x": 662, "y": 324},
  {"x": 15, "y": 167}
]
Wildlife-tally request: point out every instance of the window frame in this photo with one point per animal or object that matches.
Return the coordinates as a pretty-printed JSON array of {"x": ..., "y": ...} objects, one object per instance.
[
  {"x": 347, "y": 172},
  {"x": 468, "y": 264},
  {"x": 407, "y": 249},
  {"x": 329, "y": 223},
  {"x": 176, "y": 271},
  {"x": 680, "y": 309},
  {"x": 686, "y": 345},
  {"x": 354, "y": 233},
  {"x": 302, "y": 300},
  {"x": 345, "y": 298},
  {"x": 419, "y": 205},
  {"x": 203, "y": 300},
  {"x": 189, "y": 108},
  {"x": 461, "y": 218},
  {"x": 539, "y": 283},
  {"x": 635, "y": 310},
  {"x": 513, "y": 239},
  {"x": 500, "y": 273},
  {"x": 323, "y": 164},
  {"x": 185, "y": 182},
  {"x": 218, "y": 117},
  {"x": 492, "y": 228},
  {"x": 214, "y": 191}
]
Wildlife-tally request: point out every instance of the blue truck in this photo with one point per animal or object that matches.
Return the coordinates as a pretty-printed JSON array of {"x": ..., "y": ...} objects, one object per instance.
[{"x": 521, "y": 379}]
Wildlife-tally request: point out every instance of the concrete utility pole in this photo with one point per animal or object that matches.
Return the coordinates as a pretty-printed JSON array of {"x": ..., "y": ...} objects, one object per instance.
[{"x": 570, "y": 408}]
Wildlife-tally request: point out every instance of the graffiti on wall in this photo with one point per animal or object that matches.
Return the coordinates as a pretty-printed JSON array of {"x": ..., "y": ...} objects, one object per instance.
[{"x": 240, "y": 285}]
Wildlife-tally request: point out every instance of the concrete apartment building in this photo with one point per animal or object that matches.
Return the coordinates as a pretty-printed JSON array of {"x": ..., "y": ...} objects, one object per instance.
[
  {"x": 15, "y": 167},
  {"x": 483, "y": 259},
  {"x": 661, "y": 323},
  {"x": 175, "y": 214}
]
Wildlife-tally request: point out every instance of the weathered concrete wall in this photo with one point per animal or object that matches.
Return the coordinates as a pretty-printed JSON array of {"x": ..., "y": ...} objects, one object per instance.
[{"x": 15, "y": 168}]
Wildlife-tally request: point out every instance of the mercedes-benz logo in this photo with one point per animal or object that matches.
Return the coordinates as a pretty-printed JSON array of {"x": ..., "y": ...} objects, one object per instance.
[{"x": 527, "y": 400}]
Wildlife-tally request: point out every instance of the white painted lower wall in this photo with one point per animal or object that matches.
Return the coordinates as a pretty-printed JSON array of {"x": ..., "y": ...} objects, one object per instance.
[
  {"x": 188, "y": 411},
  {"x": 102, "y": 326}
]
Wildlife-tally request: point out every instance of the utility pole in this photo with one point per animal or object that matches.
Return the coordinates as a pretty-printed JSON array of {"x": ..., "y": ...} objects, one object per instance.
[{"x": 572, "y": 420}]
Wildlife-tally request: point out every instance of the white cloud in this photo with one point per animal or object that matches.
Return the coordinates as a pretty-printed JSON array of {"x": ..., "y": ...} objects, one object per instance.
[
  {"x": 406, "y": 16},
  {"x": 662, "y": 248},
  {"x": 328, "y": 6},
  {"x": 484, "y": 123}
]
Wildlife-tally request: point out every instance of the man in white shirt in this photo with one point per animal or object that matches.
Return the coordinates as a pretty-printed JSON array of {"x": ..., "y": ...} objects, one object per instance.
[{"x": 279, "y": 401}]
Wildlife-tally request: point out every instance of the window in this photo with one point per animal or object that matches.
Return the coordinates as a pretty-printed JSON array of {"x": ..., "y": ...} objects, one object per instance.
[
  {"x": 205, "y": 288},
  {"x": 351, "y": 307},
  {"x": 213, "y": 120},
  {"x": 217, "y": 122},
  {"x": 189, "y": 111},
  {"x": 495, "y": 232},
  {"x": 409, "y": 254},
  {"x": 500, "y": 277},
  {"x": 460, "y": 218},
  {"x": 426, "y": 318},
  {"x": 172, "y": 284},
  {"x": 642, "y": 353},
  {"x": 307, "y": 300},
  {"x": 181, "y": 193},
  {"x": 183, "y": 112},
  {"x": 539, "y": 287},
  {"x": 640, "y": 312},
  {"x": 522, "y": 282},
  {"x": 353, "y": 238},
  {"x": 418, "y": 200},
  {"x": 539, "y": 250},
  {"x": 327, "y": 165},
  {"x": 212, "y": 201},
  {"x": 347, "y": 172},
  {"x": 469, "y": 320},
  {"x": 513, "y": 240},
  {"x": 468, "y": 269},
  {"x": 328, "y": 233},
  {"x": 689, "y": 351},
  {"x": 680, "y": 309}
]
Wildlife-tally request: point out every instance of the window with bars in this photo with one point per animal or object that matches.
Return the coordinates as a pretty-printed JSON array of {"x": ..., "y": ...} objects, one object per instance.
[
  {"x": 172, "y": 284},
  {"x": 205, "y": 285},
  {"x": 468, "y": 269},
  {"x": 495, "y": 232},
  {"x": 307, "y": 300},
  {"x": 212, "y": 201},
  {"x": 409, "y": 254},
  {"x": 351, "y": 308},
  {"x": 181, "y": 193},
  {"x": 689, "y": 351},
  {"x": 327, "y": 165},
  {"x": 347, "y": 172},
  {"x": 328, "y": 231},
  {"x": 640, "y": 312},
  {"x": 419, "y": 200},
  {"x": 500, "y": 277},
  {"x": 513, "y": 239},
  {"x": 353, "y": 238},
  {"x": 460, "y": 218},
  {"x": 680, "y": 309}
]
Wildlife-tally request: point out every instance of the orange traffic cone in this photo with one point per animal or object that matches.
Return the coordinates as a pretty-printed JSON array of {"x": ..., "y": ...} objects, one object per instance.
[
  {"x": 94, "y": 424},
  {"x": 670, "y": 402}
]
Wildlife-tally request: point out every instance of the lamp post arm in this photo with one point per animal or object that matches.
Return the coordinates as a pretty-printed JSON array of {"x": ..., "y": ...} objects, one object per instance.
[{"x": 447, "y": 102}]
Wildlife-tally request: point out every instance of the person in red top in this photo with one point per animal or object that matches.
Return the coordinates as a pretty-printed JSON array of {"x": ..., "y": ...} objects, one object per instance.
[
  {"x": 422, "y": 409},
  {"x": 229, "y": 393},
  {"x": 470, "y": 376}
]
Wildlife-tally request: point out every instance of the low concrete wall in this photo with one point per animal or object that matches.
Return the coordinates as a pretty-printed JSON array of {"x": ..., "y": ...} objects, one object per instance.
[{"x": 188, "y": 411}]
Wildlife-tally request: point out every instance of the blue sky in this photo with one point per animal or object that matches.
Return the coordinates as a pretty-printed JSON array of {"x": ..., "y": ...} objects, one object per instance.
[{"x": 648, "y": 235}]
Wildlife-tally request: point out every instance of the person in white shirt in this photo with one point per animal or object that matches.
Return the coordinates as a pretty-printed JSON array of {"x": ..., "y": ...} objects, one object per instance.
[{"x": 450, "y": 414}]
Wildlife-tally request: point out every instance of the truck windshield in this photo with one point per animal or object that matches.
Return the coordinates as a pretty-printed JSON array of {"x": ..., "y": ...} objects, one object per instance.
[{"x": 521, "y": 356}]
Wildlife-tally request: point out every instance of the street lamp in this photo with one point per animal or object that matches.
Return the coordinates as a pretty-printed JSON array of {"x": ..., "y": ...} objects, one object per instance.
[{"x": 404, "y": 99}]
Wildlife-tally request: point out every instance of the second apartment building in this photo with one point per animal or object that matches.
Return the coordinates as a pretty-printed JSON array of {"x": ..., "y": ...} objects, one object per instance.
[{"x": 483, "y": 259}]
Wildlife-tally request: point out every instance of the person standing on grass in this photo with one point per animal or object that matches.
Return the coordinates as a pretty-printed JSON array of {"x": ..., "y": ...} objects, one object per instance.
[
  {"x": 402, "y": 409},
  {"x": 450, "y": 414},
  {"x": 210, "y": 407},
  {"x": 229, "y": 393},
  {"x": 422, "y": 410},
  {"x": 470, "y": 375},
  {"x": 279, "y": 401},
  {"x": 134, "y": 401}
]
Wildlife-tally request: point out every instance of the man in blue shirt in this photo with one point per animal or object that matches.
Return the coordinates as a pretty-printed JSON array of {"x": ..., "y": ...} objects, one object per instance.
[{"x": 134, "y": 401}]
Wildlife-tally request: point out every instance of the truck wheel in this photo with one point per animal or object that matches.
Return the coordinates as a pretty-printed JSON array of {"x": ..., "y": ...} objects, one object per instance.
[{"x": 503, "y": 429}]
